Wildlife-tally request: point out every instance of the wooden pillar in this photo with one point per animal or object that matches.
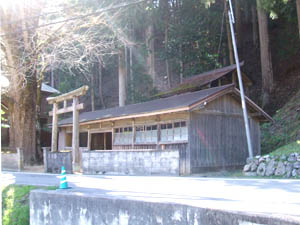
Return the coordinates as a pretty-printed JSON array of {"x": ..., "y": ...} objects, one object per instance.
[
  {"x": 54, "y": 128},
  {"x": 157, "y": 120},
  {"x": 133, "y": 134},
  {"x": 75, "y": 137},
  {"x": 89, "y": 140},
  {"x": 104, "y": 136}
]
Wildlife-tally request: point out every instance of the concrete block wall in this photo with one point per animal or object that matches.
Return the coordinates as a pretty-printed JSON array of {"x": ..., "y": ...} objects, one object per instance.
[
  {"x": 75, "y": 207},
  {"x": 12, "y": 161},
  {"x": 132, "y": 162},
  {"x": 53, "y": 161}
]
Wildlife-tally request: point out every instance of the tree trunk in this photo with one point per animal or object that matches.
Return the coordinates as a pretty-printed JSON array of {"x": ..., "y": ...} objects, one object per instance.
[
  {"x": 181, "y": 64},
  {"x": 265, "y": 55},
  {"x": 131, "y": 74},
  {"x": 298, "y": 14},
  {"x": 254, "y": 26},
  {"x": 52, "y": 76},
  {"x": 92, "y": 88},
  {"x": 165, "y": 10},
  {"x": 149, "y": 34},
  {"x": 247, "y": 12},
  {"x": 22, "y": 132},
  {"x": 167, "y": 61},
  {"x": 229, "y": 41},
  {"x": 122, "y": 78},
  {"x": 38, "y": 118},
  {"x": 19, "y": 41},
  {"x": 238, "y": 20},
  {"x": 100, "y": 84}
]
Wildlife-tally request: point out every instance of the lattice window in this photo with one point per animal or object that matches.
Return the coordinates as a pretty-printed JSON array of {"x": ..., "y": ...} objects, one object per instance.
[
  {"x": 146, "y": 134},
  {"x": 176, "y": 131},
  {"x": 123, "y": 136}
]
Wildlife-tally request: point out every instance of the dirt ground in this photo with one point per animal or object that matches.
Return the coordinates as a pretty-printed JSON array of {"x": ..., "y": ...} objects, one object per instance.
[{"x": 34, "y": 169}]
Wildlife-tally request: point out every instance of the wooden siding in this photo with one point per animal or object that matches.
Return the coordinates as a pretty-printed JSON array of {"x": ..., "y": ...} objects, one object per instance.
[
  {"x": 217, "y": 136},
  {"x": 225, "y": 104}
]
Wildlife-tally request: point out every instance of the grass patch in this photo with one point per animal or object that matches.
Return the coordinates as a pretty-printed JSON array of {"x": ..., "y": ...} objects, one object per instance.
[
  {"x": 15, "y": 204},
  {"x": 287, "y": 149}
]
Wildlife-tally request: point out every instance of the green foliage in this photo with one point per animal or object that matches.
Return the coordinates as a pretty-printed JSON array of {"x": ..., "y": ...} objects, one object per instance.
[
  {"x": 140, "y": 89},
  {"x": 194, "y": 36},
  {"x": 280, "y": 8},
  {"x": 285, "y": 129},
  {"x": 15, "y": 204},
  {"x": 3, "y": 120}
]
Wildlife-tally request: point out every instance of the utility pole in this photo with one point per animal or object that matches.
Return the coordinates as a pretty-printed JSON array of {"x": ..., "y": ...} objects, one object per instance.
[{"x": 245, "y": 114}]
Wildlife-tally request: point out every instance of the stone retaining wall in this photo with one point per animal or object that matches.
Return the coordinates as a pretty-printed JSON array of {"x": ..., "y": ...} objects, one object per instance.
[
  {"x": 12, "y": 161},
  {"x": 132, "y": 162},
  {"x": 53, "y": 161},
  {"x": 284, "y": 166}
]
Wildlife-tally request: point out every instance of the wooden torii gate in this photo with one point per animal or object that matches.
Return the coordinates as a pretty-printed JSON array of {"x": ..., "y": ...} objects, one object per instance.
[{"x": 75, "y": 109}]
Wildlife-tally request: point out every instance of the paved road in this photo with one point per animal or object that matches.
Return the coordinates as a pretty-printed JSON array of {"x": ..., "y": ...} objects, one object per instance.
[{"x": 279, "y": 198}]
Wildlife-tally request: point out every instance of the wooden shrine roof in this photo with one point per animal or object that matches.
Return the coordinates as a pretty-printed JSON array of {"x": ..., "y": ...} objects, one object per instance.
[{"x": 177, "y": 103}]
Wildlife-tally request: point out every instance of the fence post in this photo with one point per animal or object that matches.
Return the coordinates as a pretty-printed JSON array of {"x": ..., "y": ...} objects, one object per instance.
[
  {"x": 45, "y": 154},
  {"x": 20, "y": 156}
]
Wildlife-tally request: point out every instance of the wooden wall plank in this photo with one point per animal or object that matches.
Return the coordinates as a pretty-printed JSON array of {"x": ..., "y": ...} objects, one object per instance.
[{"x": 219, "y": 140}]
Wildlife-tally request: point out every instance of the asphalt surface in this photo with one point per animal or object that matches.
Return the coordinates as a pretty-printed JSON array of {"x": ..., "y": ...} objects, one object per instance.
[{"x": 278, "y": 198}]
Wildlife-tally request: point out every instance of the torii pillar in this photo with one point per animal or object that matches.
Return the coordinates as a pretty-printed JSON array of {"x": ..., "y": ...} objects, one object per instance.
[{"x": 73, "y": 95}]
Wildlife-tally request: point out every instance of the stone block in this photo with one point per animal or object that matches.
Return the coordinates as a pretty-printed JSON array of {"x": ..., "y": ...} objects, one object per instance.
[
  {"x": 254, "y": 166},
  {"x": 280, "y": 170},
  {"x": 270, "y": 169},
  {"x": 247, "y": 168},
  {"x": 261, "y": 170},
  {"x": 297, "y": 165}
]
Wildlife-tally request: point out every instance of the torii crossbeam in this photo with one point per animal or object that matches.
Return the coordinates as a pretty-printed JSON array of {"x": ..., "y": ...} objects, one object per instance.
[{"x": 75, "y": 109}]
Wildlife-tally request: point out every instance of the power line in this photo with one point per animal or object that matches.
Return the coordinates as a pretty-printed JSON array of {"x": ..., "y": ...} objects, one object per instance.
[{"x": 79, "y": 17}]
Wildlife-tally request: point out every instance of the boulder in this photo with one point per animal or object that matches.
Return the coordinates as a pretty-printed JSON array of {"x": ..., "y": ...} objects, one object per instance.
[
  {"x": 253, "y": 166},
  {"x": 247, "y": 167},
  {"x": 261, "y": 159},
  {"x": 294, "y": 172},
  {"x": 289, "y": 169},
  {"x": 297, "y": 165},
  {"x": 280, "y": 170},
  {"x": 270, "y": 169},
  {"x": 261, "y": 170},
  {"x": 283, "y": 157},
  {"x": 249, "y": 160},
  {"x": 292, "y": 157}
]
